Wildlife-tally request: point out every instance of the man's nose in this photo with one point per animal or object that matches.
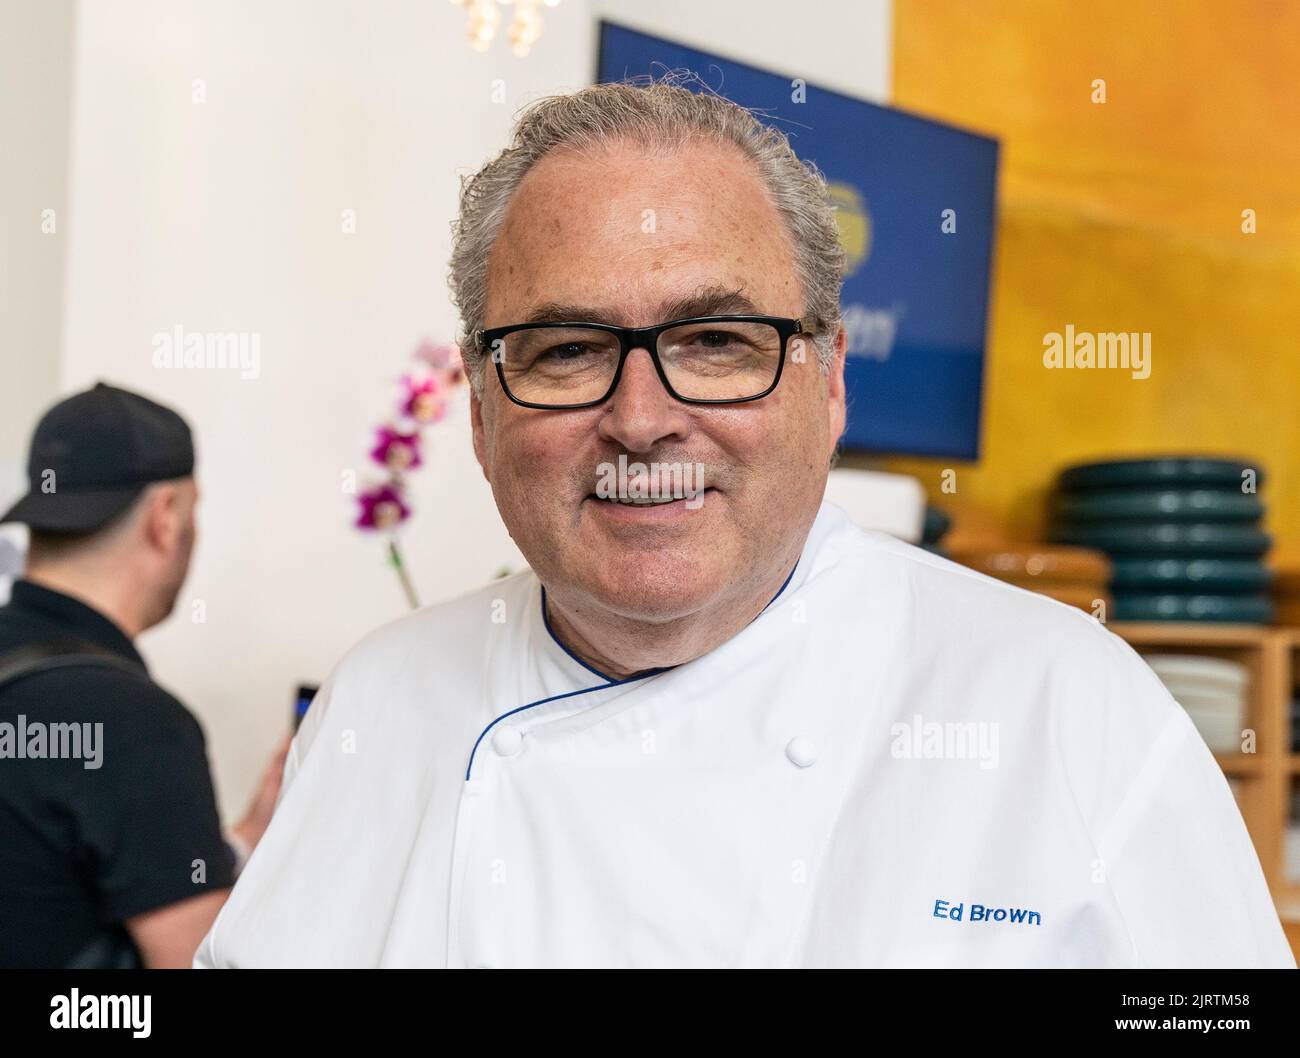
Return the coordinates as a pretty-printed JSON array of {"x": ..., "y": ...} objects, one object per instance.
[{"x": 642, "y": 413}]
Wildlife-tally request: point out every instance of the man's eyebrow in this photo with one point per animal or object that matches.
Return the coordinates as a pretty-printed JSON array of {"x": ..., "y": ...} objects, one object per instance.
[
  {"x": 565, "y": 312},
  {"x": 706, "y": 301}
]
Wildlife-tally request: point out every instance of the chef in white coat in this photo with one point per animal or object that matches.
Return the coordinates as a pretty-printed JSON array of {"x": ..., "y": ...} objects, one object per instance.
[{"x": 716, "y": 723}]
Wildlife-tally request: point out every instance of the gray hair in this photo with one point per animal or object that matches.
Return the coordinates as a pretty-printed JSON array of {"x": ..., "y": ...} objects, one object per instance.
[{"x": 654, "y": 112}]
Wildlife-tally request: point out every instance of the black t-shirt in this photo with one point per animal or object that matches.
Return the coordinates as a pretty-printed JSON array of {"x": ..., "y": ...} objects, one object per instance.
[{"x": 82, "y": 849}]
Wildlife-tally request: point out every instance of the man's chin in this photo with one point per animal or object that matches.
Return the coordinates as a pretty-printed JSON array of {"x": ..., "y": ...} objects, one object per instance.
[
  {"x": 653, "y": 586},
  {"x": 167, "y": 602}
]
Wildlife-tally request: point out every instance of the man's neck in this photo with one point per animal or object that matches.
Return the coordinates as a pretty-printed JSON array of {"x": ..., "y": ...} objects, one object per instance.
[
  {"x": 620, "y": 646},
  {"x": 92, "y": 591}
]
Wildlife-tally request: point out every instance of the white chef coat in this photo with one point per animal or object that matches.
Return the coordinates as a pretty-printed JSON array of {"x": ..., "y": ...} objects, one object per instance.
[{"x": 465, "y": 792}]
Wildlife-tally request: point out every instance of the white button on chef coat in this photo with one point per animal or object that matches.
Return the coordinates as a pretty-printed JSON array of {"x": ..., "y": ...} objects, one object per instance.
[
  {"x": 507, "y": 741},
  {"x": 899, "y": 762},
  {"x": 802, "y": 752}
]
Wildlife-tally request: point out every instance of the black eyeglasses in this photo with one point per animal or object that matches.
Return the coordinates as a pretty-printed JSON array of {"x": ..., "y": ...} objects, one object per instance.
[{"x": 703, "y": 360}]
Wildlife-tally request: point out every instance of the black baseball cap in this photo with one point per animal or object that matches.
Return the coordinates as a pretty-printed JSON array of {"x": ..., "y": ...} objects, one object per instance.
[{"x": 94, "y": 453}]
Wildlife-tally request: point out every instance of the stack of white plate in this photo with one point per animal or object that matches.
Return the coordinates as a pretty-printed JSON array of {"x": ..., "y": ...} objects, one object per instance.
[{"x": 1212, "y": 690}]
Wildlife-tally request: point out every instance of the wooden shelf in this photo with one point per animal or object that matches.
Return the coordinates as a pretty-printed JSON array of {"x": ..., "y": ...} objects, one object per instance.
[
  {"x": 1194, "y": 634},
  {"x": 1263, "y": 780},
  {"x": 1235, "y": 764}
]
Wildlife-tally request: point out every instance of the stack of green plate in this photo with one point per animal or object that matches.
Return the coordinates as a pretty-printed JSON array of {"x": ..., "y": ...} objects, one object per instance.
[{"x": 1183, "y": 532}]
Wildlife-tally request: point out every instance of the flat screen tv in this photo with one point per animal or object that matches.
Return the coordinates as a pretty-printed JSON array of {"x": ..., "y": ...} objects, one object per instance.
[{"x": 915, "y": 201}]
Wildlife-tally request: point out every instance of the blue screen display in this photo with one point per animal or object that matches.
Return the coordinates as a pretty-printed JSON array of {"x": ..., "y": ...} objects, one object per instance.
[{"x": 915, "y": 297}]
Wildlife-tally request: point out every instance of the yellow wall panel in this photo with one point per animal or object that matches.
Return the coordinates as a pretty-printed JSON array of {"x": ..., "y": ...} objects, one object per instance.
[{"x": 1126, "y": 216}]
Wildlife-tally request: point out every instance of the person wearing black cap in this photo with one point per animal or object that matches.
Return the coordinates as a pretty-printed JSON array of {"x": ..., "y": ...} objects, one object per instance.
[{"x": 111, "y": 850}]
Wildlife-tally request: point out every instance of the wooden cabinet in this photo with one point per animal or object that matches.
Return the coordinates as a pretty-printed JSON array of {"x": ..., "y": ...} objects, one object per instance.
[{"x": 1265, "y": 779}]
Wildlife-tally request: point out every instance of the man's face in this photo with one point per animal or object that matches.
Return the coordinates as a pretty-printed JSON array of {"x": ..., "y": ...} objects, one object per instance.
[{"x": 631, "y": 236}]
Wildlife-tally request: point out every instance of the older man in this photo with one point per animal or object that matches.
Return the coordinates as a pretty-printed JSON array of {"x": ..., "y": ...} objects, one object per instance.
[{"x": 716, "y": 723}]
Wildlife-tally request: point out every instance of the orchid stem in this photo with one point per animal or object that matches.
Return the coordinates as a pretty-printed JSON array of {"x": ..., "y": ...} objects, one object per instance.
[{"x": 395, "y": 556}]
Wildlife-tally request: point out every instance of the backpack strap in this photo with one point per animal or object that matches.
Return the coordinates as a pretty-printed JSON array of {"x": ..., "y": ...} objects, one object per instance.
[
  {"x": 33, "y": 658},
  {"x": 107, "y": 950}
]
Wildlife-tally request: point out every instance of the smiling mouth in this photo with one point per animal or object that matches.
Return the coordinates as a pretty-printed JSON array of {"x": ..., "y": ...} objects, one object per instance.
[{"x": 627, "y": 501}]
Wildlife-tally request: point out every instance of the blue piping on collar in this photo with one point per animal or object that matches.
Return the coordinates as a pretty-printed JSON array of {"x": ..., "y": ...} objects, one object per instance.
[
  {"x": 552, "y": 698},
  {"x": 609, "y": 680},
  {"x": 556, "y": 639},
  {"x": 779, "y": 590}
]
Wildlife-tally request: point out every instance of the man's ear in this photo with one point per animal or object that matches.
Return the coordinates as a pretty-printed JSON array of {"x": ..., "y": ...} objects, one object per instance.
[
  {"x": 476, "y": 428},
  {"x": 162, "y": 516},
  {"x": 835, "y": 405}
]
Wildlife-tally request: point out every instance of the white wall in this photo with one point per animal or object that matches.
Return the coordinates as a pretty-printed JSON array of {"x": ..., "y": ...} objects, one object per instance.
[
  {"x": 225, "y": 215},
  {"x": 35, "y": 104}
]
